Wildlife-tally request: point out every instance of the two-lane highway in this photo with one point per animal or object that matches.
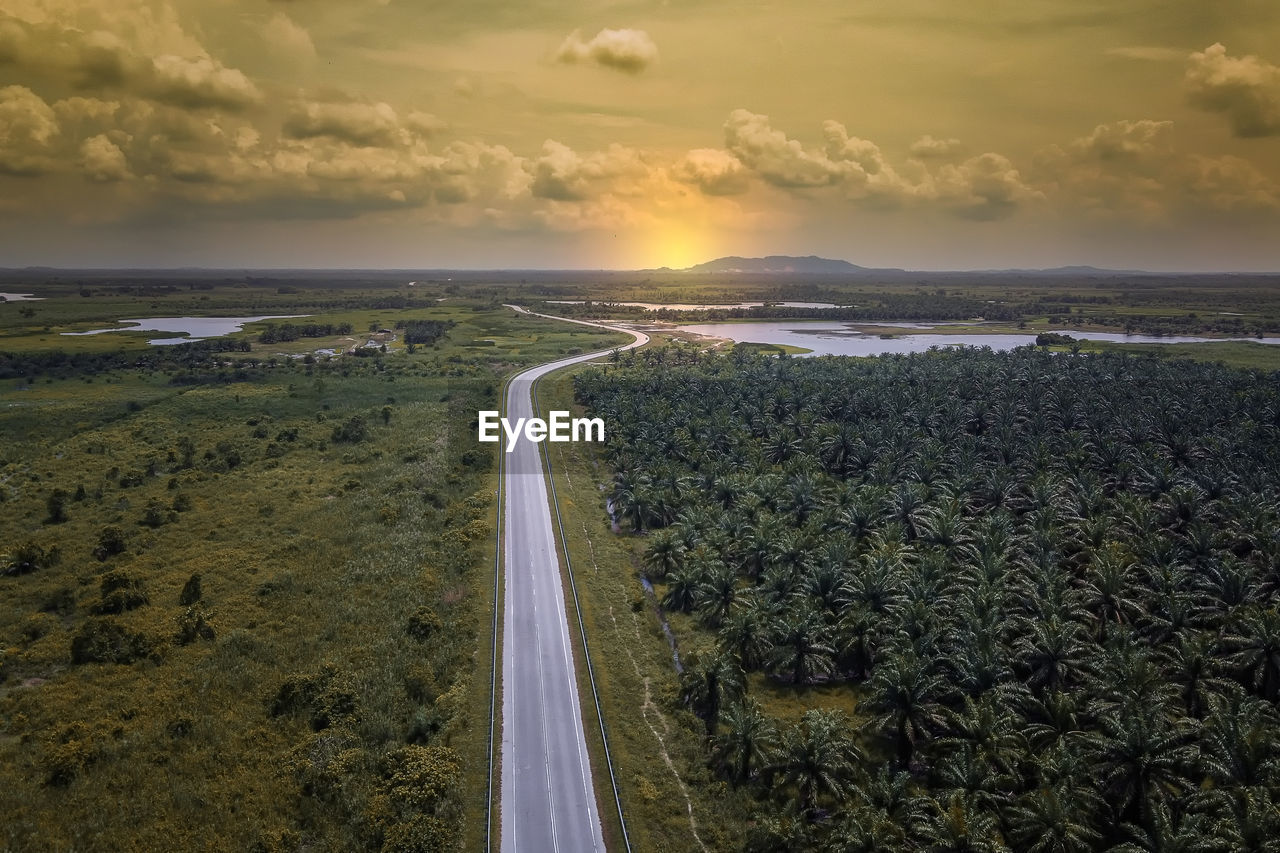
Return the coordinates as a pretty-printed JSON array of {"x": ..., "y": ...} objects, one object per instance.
[{"x": 548, "y": 800}]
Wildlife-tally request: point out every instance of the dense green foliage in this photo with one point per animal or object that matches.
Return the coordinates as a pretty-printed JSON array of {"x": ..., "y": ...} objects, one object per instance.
[
  {"x": 423, "y": 332},
  {"x": 284, "y": 332},
  {"x": 1049, "y": 584}
]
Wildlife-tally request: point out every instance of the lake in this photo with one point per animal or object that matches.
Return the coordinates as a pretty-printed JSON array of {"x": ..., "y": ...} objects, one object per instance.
[
  {"x": 681, "y": 306},
  {"x": 20, "y": 297},
  {"x": 193, "y": 328},
  {"x": 831, "y": 338}
]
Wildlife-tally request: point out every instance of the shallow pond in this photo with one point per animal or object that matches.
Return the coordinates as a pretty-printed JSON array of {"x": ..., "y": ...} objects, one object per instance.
[
  {"x": 192, "y": 328},
  {"x": 688, "y": 306},
  {"x": 829, "y": 338}
]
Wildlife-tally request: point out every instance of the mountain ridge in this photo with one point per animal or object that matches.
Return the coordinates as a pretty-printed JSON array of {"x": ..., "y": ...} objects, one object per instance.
[{"x": 815, "y": 265}]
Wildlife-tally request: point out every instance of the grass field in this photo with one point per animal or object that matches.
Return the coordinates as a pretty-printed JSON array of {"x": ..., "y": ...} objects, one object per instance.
[{"x": 259, "y": 603}]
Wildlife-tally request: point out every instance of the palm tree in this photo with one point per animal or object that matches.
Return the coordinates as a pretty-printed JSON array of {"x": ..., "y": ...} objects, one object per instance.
[
  {"x": 682, "y": 587},
  {"x": 1240, "y": 750},
  {"x": 1048, "y": 821},
  {"x": 903, "y": 692},
  {"x": 1141, "y": 761},
  {"x": 665, "y": 554},
  {"x": 856, "y": 638},
  {"x": 816, "y": 758},
  {"x": 707, "y": 685},
  {"x": 1254, "y": 644},
  {"x": 802, "y": 644},
  {"x": 747, "y": 742},
  {"x": 991, "y": 725},
  {"x": 715, "y": 594},
  {"x": 1169, "y": 832},
  {"x": 958, "y": 826},
  {"x": 1052, "y": 653},
  {"x": 747, "y": 631},
  {"x": 867, "y": 830}
]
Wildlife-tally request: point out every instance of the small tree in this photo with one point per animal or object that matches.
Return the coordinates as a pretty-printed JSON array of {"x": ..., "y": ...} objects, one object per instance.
[
  {"x": 191, "y": 591},
  {"x": 57, "y": 506},
  {"x": 110, "y": 542},
  {"x": 352, "y": 431}
]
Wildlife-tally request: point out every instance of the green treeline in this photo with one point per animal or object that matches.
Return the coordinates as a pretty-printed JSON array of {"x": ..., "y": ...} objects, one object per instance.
[
  {"x": 1046, "y": 586},
  {"x": 286, "y": 332},
  {"x": 424, "y": 332},
  {"x": 63, "y": 364}
]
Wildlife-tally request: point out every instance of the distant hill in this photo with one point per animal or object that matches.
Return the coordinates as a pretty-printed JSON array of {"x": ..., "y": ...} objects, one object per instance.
[
  {"x": 810, "y": 264},
  {"x": 814, "y": 265},
  {"x": 1076, "y": 269}
]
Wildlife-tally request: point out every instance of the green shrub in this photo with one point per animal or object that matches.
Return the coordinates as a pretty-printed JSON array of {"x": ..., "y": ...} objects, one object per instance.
[
  {"x": 191, "y": 591},
  {"x": 325, "y": 698},
  {"x": 354, "y": 430},
  {"x": 110, "y": 542},
  {"x": 120, "y": 591},
  {"x": 67, "y": 754},
  {"x": 193, "y": 625},
  {"x": 27, "y": 558},
  {"x": 417, "y": 809},
  {"x": 107, "y": 641},
  {"x": 57, "y": 506},
  {"x": 157, "y": 514},
  {"x": 423, "y": 624}
]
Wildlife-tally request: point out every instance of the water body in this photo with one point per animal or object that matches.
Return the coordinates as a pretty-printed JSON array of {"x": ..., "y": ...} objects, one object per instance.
[
  {"x": 20, "y": 297},
  {"x": 192, "y": 328},
  {"x": 679, "y": 306},
  {"x": 828, "y": 338}
]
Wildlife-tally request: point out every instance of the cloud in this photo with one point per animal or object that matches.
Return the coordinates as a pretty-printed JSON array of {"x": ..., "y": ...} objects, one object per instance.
[
  {"x": 1229, "y": 184},
  {"x": 1125, "y": 139},
  {"x": 928, "y": 148},
  {"x": 985, "y": 187},
  {"x": 201, "y": 82},
  {"x": 97, "y": 58},
  {"x": 82, "y": 58},
  {"x": 1129, "y": 169},
  {"x": 1146, "y": 53},
  {"x": 561, "y": 174},
  {"x": 102, "y": 160},
  {"x": 283, "y": 34},
  {"x": 1246, "y": 90},
  {"x": 28, "y": 127},
  {"x": 777, "y": 159},
  {"x": 713, "y": 171},
  {"x": 629, "y": 51},
  {"x": 354, "y": 122}
]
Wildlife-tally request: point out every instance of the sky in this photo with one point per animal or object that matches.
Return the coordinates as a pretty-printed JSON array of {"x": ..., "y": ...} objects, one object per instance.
[{"x": 621, "y": 134}]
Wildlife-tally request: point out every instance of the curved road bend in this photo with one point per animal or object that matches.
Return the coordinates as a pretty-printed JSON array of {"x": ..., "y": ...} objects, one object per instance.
[{"x": 548, "y": 802}]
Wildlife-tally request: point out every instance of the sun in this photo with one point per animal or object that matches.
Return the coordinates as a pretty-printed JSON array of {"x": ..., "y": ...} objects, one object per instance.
[{"x": 676, "y": 246}]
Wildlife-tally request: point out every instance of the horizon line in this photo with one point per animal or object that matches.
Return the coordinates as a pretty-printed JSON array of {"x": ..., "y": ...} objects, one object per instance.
[{"x": 1083, "y": 269}]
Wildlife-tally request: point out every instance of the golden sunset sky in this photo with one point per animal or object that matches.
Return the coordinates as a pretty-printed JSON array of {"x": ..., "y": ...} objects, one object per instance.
[{"x": 926, "y": 134}]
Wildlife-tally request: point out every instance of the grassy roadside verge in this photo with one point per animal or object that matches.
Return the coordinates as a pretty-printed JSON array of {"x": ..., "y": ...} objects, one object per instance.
[{"x": 670, "y": 799}]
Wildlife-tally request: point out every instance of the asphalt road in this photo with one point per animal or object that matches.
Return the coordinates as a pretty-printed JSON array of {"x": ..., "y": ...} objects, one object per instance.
[{"x": 548, "y": 803}]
